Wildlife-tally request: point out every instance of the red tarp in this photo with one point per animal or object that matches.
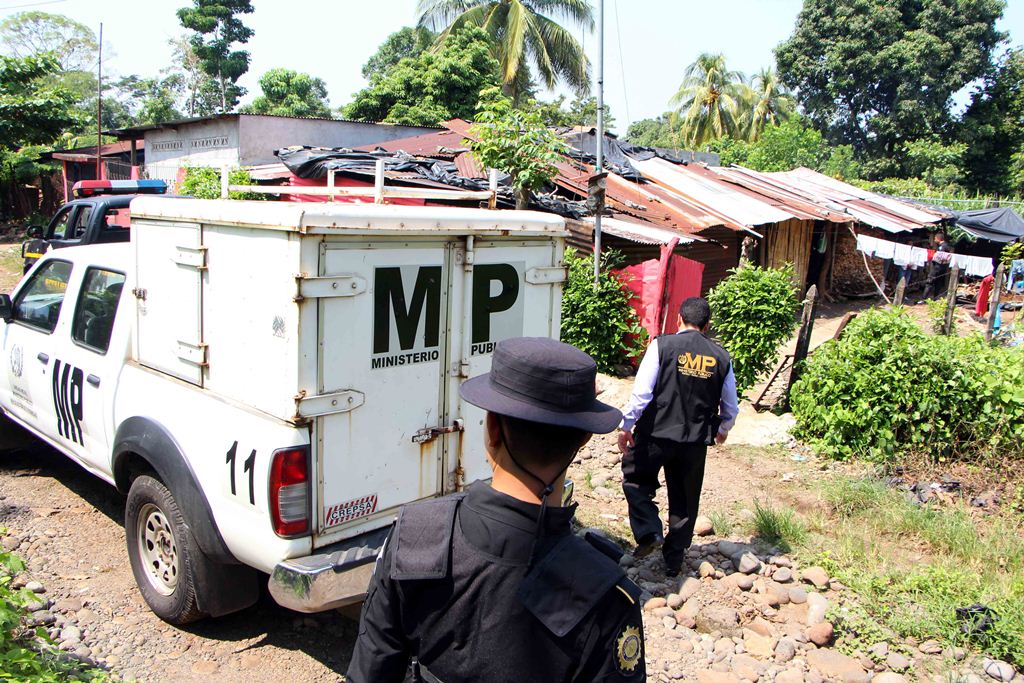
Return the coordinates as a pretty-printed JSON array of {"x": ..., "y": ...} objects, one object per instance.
[{"x": 661, "y": 287}]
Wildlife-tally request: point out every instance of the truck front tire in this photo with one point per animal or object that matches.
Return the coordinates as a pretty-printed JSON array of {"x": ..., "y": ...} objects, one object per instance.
[{"x": 162, "y": 552}]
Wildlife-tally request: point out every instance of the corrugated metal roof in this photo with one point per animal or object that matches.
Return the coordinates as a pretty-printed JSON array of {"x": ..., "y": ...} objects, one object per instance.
[
  {"x": 641, "y": 233},
  {"x": 780, "y": 195},
  {"x": 712, "y": 194},
  {"x": 867, "y": 207}
]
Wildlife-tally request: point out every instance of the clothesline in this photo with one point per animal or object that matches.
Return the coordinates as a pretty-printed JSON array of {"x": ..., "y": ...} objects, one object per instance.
[{"x": 907, "y": 256}]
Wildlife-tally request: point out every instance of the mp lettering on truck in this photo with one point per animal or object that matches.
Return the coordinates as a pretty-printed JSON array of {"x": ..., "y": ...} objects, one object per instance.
[
  {"x": 407, "y": 311},
  {"x": 67, "y": 400}
]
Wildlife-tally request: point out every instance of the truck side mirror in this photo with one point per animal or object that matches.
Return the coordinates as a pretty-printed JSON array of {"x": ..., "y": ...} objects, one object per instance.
[
  {"x": 34, "y": 232},
  {"x": 6, "y": 308}
]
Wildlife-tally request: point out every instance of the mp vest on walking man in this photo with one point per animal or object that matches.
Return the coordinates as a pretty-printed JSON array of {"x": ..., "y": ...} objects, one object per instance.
[
  {"x": 493, "y": 585},
  {"x": 684, "y": 399}
]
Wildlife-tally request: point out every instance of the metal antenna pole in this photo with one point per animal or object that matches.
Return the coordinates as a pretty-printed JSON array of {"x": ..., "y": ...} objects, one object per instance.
[
  {"x": 599, "y": 168},
  {"x": 99, "y": 107}
]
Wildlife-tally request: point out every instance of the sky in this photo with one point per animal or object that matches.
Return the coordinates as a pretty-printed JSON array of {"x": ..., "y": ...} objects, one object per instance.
[{"x": 648, "y": 43}]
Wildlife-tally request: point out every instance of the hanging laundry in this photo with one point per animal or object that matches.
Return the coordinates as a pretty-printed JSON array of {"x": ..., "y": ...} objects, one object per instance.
[
  {"x": 918, "y": 257},
  {"x": 981, "y": 305},
  {"x": 1016, "y": 275},
  {"x": 867, "y": 244},
  {"x": 901, "y": 255},
  {"x": 975, "y": 266},
  {"x": 885, "y": 249}
]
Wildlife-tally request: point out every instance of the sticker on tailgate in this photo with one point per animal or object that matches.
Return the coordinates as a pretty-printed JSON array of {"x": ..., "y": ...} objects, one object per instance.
[{"x": 353, "y": 509}]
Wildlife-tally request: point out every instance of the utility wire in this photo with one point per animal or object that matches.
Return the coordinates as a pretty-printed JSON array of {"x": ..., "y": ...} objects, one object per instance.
[
  {"x": 622, "y": 64},
  {"x": 33, "y": 4}
]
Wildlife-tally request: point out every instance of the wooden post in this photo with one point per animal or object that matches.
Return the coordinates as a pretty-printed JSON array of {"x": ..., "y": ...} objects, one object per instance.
[
  {"x": 492, "y": 185},
  {"x": 330, "y": 183},
  {"x": 803, "y": 339},
  {"x": 901, "y": 288},
  {"x": 954, "y": 278},
  {"x": 997, "y": 295}
]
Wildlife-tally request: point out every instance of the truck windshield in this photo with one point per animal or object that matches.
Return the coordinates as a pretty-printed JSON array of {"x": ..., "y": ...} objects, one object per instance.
[{"x": 39, "y": 302}]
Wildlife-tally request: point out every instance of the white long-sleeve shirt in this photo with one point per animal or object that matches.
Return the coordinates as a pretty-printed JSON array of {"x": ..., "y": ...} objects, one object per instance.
[{"x": 647, "y": 378}]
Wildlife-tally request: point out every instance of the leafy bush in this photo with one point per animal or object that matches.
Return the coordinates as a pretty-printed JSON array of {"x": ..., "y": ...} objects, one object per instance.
[
  {"x": 600, "y": 321},
  {"x": 752, "y": 312},
  {"x": 937, "y": 316},
  {"x": 203, "y": 182},
  {"x": 886, "y": 389},
  {"x": 1011, "y": 252},
  {"x": 27, "y": 654}
]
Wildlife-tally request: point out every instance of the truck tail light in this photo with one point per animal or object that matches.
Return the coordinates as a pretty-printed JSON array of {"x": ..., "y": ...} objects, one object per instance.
[{"x": 289, "y": 491}]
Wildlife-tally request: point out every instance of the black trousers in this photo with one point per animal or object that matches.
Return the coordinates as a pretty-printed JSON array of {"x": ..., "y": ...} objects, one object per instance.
[{"x": 684, "y": 477}]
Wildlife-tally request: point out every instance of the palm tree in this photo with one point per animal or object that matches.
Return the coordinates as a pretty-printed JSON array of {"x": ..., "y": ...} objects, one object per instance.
[
  {"x": 522, "y": 31},
  {"x": 770, "y": 102},
  {"x": 709, "y": 100}
]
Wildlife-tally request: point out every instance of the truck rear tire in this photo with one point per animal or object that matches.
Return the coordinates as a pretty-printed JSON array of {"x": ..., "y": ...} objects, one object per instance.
[{"x": 162, "y": 552}]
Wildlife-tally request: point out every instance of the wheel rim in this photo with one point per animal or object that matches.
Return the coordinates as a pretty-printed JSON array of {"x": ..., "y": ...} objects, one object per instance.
[{"x": 158, "y": 549}]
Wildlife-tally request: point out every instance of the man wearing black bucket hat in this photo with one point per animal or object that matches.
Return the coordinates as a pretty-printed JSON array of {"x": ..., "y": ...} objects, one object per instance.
[{"x": 492, "y": 585}]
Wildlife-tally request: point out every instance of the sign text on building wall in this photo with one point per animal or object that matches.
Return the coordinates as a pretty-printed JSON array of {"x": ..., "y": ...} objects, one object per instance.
[{"x": 210, "y": 143}]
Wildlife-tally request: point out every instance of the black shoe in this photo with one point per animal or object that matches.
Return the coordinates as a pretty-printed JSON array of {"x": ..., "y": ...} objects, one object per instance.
[
  {"x": 672, "y": 572},
  {"x": 647, "y": 545}
]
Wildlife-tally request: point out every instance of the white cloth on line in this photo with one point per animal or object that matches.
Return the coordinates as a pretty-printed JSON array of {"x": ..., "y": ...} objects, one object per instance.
[
  {"x": 918, "y": 257},
  {"x": 867, "y": 244},
  {"x": 975, "y": 266},
  {"x": 885, "y": 249},
  {"x": 901, "y": 255}
]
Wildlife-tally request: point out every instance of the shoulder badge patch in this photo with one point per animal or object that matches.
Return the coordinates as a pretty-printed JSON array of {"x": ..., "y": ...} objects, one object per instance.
[{"x": 629, "y": 650}]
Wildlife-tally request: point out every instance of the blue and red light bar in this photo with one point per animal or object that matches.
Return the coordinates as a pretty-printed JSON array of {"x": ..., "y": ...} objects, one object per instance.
[{"x": 92, "y": 188}]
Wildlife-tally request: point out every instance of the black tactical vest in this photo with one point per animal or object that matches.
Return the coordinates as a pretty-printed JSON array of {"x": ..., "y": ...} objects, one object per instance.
[
  {"x": 691, "y": 372},
  {"x": 474, "y": 617}
]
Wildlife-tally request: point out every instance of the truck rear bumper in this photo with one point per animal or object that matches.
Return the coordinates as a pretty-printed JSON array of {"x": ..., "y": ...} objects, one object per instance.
[{"x": 336, "y": 576}]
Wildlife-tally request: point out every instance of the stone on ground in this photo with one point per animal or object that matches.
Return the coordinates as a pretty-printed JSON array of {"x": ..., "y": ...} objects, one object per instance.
[
  {"x": 820, "y": 634},
  {"x": 790, "y": 676},
  {"x": 718, "y": 618},
  {"x": 817, "y": 606},
  {"x": 717, "y": 677},
  {"x": 834, "y": 664},
  {"x": 654, "y": 603},
  {"x": 706, "y": 569},
  {"x": 797, "y": 595},
  {"x": 1001, "y": 671},
  {"x": 888, "y": 677},
  {"x": 758, "y": 645},
  {"x": 783, "y": 575},
  {"x": 688, "y": 588},
  {"x": 817, "y": 576},
  {"x": 897, "y": 661},
  {"x": 785, "y": 650},
  {"x": 703, "y": 526},
  {"x": 747, "y": 563}
]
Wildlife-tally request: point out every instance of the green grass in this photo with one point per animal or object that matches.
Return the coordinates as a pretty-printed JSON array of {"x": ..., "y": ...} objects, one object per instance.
[
  {"x": 721, "y": 521},
  {"x": 911, "y": 566},
  {"x": 778, "y": 526}
]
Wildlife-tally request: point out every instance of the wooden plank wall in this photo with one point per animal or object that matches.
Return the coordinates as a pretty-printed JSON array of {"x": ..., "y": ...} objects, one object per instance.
[{"x": 789, "y": 242}]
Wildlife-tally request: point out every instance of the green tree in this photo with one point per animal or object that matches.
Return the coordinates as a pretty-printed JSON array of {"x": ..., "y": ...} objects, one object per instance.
[
  {"x": 290, "y": 93},
  {"x": 217, "y": 20},
  {"x": 407, "y": 42},
  {"x": 783, "y": 147},
  {"x": 708, "y": 102},
  {"x": 521, "y": 32},
  {"x": 877, "y": 73},
  {"x": 769, "y": 103},
  {"x": 31, "y": 34},
  {"x": 937, "y": 164},
  {"x": 993, "y": 127},
  {"x": 201, "y": 93},
  {"x": 582, "y": 111},
  {"x": 431, "y": 87},
  {"x": 148, "y": 100},
  {"x": 517, "y": 142},
  {"x": 659, "y": 132},
  {"x": 32, "y": 112}
]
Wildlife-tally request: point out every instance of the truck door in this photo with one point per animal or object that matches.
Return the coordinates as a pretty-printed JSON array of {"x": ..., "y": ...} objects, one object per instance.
[
  {"x": 383, "y": 319},
  {"x": 512, "y": 289},
  {"x": 30, "y": 345},
  {"x": 87, "y": 365}
]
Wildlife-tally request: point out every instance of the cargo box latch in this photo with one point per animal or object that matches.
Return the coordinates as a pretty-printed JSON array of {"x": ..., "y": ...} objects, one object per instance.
[
  {"x": 547, "y": 275},
  {"x": 428, "y": 434}
]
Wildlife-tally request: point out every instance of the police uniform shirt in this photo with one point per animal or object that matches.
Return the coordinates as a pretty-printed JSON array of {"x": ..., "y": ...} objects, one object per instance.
[{"x": 479, "y": 622}]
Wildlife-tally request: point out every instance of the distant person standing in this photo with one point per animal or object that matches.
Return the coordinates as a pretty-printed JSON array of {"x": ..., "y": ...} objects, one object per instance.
[
  {"x": 684, "y": 399},
  {"x": 937, "y": 282}
]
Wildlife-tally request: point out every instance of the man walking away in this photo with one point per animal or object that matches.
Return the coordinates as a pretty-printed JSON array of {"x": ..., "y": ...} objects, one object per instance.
[
  {"x": 493, "y": 585},
  {"x": 684, "y": 399}
]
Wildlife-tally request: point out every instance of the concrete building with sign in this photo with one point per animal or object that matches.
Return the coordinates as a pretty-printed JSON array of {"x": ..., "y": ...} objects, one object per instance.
[{"x": 247, "y": 139}]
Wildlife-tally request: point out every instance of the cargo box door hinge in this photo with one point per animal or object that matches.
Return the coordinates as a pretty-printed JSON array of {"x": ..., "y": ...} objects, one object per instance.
[
  {"x": 325, "y": 287},
  {"x": 328, "y": 404},
  {"x": 192, "y": 353},
  {"x": 191, "y": 257}
]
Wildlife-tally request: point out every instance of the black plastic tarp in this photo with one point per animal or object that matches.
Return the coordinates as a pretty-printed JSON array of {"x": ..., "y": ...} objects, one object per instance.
[
  {"x": 997, "y": 225},
  {"x": 314, "y": 162},
  {"x": 617, "y": 153}
]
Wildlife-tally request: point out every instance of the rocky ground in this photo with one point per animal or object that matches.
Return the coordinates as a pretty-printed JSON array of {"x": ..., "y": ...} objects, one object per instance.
[{"x": 741, "y": 611}]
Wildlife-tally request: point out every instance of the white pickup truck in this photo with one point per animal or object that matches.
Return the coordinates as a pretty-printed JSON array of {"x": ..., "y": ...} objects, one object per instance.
[{"x": 269, "y": 381}]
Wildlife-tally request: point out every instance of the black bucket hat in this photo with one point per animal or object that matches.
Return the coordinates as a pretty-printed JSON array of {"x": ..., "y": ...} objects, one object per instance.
[{"x": 542, "y": 380}]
